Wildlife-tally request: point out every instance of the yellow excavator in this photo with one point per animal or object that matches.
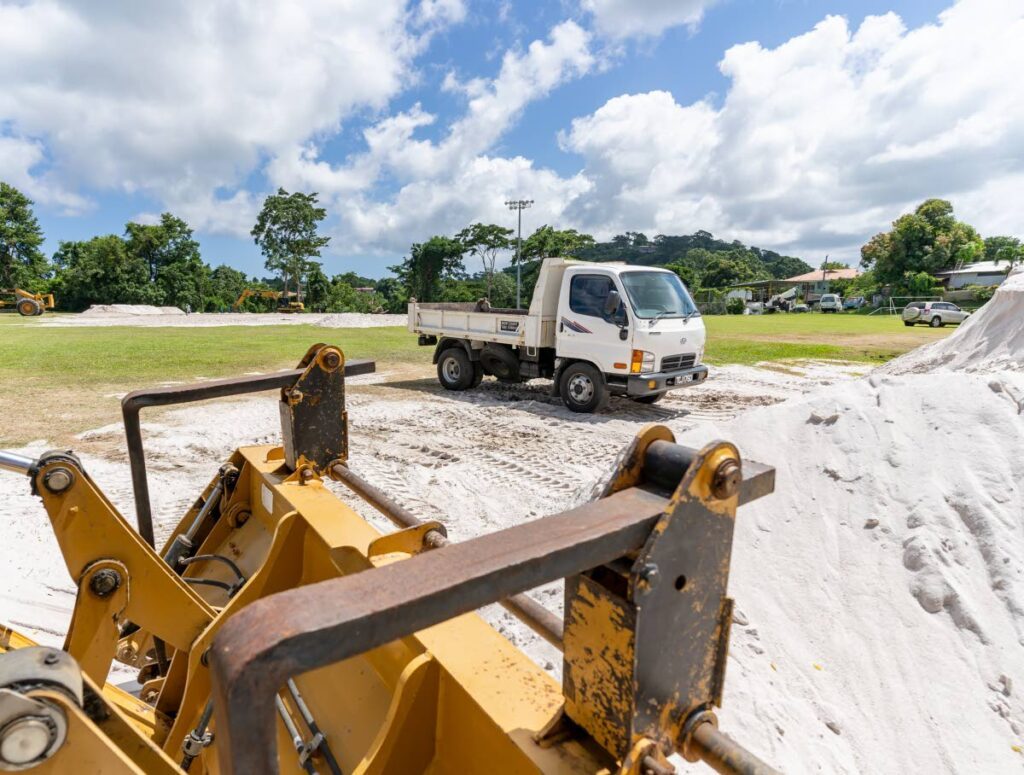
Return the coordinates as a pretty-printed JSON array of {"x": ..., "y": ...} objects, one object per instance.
[
  {"x": 27, "y": 304},
  {"x": 276, "y": 630},
  {"x": 286, "y": 301}
]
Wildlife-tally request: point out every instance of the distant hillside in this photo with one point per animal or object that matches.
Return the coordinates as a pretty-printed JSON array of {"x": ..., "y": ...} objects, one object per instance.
[{"x": 700, "y": 259}]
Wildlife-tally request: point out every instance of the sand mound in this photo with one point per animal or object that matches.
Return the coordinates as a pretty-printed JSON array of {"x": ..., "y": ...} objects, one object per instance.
[
  {"x": 990, "y": 340},
  {"x": 131, "y": 309},
  {"x": 881, "y": 589},
  {"x": 361, "y": 320}
]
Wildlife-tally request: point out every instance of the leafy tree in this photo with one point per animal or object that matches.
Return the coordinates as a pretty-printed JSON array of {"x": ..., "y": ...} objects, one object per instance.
[
  {"x": 22, "y": 263},
  {"x": 725, "y": 270},
  {"x": 548, "y": 242},
  {"x": 927, "y": 240},
  {"x": 690, "y": 275},
  {"x": 102, "y": 271},
  {"x": 486, "y": 241},
  {"x": 827, "y": 265},
  {"x": 286, "y": 232},
  {"x": 430, "y": 264},
  {"x": 1007, "y": 249},
  {"x": 393, "y": 294},
  {"x": 226, "y": 284},
  {"x": 318, "y": 288},
  {"x": 161, "y": 244}
]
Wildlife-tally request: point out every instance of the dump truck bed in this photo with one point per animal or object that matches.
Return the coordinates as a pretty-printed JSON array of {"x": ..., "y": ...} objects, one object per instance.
[
  {"x": 473, "y": 321},
  {"x": 517, "y": 328}
]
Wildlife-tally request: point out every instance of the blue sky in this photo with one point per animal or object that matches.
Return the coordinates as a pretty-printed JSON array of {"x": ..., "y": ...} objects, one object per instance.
[{"x": 794, "y": 125}]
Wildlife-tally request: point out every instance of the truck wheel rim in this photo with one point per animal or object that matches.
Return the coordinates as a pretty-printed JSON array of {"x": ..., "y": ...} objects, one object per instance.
[
  {"x": 581, "y": 388},
  {"x": 452, "y": 370}
]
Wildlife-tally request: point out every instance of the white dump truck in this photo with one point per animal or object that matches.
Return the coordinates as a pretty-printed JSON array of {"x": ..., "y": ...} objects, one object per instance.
[{"x": 595, "y": 329}]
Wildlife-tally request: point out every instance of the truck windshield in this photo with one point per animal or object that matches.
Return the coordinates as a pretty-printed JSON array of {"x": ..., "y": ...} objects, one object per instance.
[{"x": 658, "y": 295}]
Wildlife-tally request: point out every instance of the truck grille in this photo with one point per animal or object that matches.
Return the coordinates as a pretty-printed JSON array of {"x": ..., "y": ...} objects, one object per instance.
[{"x": 672, "y": 362}]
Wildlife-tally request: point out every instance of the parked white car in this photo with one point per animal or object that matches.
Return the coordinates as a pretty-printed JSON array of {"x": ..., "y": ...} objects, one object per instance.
[
  {"x": 831, "y": 302},
  {"x": 934, "y": 313}
]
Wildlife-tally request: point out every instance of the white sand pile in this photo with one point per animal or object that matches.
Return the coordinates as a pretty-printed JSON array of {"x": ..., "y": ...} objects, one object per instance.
[
  {"x": 131, "y": 309},
  {"x": 881, "y": 589},
  {"x": 990, "y": 340},
  {"x": 361, "y": 320}
]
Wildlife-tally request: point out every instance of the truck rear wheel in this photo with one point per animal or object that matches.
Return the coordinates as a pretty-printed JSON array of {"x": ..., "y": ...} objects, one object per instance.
[
  {"x": 582, "y": 388},
  {"x": 455, "y": 371}
]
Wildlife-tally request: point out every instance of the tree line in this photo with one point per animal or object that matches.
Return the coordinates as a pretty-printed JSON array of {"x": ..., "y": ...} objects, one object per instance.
[{"x": 161, "y": 263}]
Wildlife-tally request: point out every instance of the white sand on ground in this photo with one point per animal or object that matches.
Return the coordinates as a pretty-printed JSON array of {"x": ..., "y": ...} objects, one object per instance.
[{"x": 141, "y": 315}]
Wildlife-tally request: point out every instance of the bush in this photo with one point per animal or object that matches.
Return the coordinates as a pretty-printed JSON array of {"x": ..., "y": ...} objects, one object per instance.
[
  {"x": 981, "y": 293},
  {"x": 735, "y": 306}
]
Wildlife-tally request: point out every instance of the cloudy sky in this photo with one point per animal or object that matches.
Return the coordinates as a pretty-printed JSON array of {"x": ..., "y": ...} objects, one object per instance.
[{"x": 800, "y": 125}]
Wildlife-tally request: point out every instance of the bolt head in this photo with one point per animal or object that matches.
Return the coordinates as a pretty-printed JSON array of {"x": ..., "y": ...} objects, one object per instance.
[
  {"x": 57, "y": 480},
  {"x": 647, "y": 578},
  {"x": 332, "y": 359},
  {"x": 25, "y": 740},
  {"x": 105, "y": 582},
  {"x": 727, "y": 478}
]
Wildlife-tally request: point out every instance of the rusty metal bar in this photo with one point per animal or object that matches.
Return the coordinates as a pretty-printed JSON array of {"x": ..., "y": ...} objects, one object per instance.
[
  {"x": 134, "y": 402},
  {"x": 319, "y": 624},
  {"x": 725, "y": 755},
  {"x": 531, "y": 613}
]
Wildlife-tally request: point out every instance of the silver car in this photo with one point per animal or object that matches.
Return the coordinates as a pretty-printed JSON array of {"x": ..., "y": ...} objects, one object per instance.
[{"x": 934, "y": 313}]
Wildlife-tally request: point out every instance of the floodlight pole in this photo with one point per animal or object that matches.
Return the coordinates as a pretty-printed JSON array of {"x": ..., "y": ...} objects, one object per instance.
[{"x": 519, "y": 205}]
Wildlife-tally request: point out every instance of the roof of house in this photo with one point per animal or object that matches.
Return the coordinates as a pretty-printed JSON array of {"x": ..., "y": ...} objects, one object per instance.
[
  {"x": 819, "y": 275},
  {"x": 979, "y": 266}
]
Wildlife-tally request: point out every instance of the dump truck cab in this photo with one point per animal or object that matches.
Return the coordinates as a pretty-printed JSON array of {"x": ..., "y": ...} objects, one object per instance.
[
  {"x": 594, "y": 329},
  {"x": 637, "y": 325}
]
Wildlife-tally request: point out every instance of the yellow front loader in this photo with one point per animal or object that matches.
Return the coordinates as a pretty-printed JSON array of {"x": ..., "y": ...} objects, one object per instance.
[
  {"x": 26, "y": 303},
  {"x": 286, "y": 301},
  {"x": 277, "y": 631}
]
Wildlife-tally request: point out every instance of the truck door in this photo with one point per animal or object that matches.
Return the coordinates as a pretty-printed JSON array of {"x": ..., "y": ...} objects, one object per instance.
[{"x": 583, "y": 331}]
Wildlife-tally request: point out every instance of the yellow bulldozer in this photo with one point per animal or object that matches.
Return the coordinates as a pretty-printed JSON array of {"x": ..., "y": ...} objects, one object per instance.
[
  {"x": 276, "y": 630},
  {"x": 26, "y": 303},
  {"x": 286, "y": 301}
]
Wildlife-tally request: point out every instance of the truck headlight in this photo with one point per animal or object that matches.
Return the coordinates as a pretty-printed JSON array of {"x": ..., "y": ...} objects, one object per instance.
[
  {"x": 700, "y": 355},
  {"x": 642, "y": 363}
]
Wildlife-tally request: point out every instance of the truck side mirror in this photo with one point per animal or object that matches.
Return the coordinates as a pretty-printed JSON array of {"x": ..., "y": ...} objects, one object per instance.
[{"x": 611, "y": 303}]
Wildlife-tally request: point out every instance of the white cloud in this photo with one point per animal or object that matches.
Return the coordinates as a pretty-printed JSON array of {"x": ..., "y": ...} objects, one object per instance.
[
  {"x": 823, "y": 140},
  {"x": 638, "y": 18},
  {"x": 180, "y": 100},
  {"x": 444, "y": 185},
  {"x": 18, "y": 158}
]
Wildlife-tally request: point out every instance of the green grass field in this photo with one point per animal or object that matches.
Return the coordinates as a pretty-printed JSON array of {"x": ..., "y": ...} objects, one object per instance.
[{"x": 73, "y": 376}]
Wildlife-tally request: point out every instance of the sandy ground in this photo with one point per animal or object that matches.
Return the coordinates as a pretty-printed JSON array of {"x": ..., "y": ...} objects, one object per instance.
[
  {"x": 206, "y": 320},
  {"x": 880, "y": 591},
  {"x": 496, "y": 456}
]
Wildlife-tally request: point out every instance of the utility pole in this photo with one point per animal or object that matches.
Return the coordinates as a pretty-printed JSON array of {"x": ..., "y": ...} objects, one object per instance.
[{"x": 519, "y": 205}]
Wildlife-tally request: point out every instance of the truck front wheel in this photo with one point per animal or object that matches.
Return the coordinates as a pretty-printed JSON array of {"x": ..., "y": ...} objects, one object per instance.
[
  {"x": 455, "y": 371},
  {"x": 582, "y": 388}
]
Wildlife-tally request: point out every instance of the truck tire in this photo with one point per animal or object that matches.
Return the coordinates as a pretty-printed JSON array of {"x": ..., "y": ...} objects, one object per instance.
[
  {"x": 651, "y": 399},
  {"x": 455, "y": 371},
  {"x": 582, "y": 388},
  {"x": 908, "y": 322},
  {"x": 29, "y": 307},
  {"x": 936, "y": 322}
]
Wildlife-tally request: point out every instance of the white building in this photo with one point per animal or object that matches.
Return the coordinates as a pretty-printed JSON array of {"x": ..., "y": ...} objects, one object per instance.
[{"x": 980, "y": 273}]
